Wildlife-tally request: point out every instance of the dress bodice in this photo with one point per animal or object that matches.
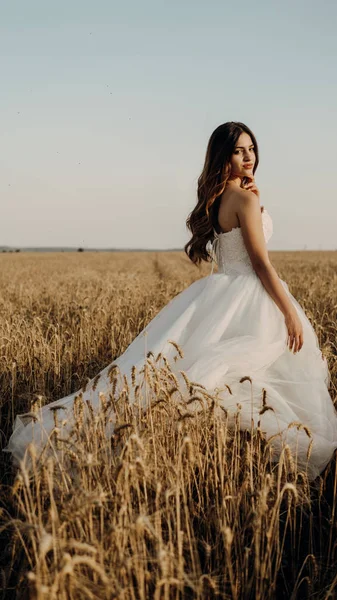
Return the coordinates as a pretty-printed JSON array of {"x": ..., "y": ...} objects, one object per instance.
[{"x": 229, "y": 249}]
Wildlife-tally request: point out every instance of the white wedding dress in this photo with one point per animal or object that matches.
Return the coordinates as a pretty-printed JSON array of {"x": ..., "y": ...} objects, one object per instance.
[{"x": 228, "y": 327}]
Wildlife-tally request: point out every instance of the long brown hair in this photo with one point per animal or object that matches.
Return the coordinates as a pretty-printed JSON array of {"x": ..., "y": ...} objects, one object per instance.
[{"x": 211, "y": 184}]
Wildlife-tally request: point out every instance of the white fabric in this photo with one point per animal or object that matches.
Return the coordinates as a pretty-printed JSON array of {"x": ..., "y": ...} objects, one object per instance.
[{"x": 228, "y": 327}]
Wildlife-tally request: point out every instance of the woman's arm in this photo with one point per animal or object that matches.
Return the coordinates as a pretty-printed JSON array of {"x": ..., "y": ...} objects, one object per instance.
[{"x": 249, "y": 213}]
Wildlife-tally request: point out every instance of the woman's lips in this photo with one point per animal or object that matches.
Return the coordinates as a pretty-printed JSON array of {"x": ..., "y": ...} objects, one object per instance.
[{"x": 247, "y": 166}]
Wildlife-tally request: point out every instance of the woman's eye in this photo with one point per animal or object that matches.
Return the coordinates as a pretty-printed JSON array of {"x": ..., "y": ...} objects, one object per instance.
[{"x": 237, "y": 151}]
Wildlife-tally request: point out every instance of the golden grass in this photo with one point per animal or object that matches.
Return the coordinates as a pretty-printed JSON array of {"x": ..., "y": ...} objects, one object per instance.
[{"x": 175, "y": 504}]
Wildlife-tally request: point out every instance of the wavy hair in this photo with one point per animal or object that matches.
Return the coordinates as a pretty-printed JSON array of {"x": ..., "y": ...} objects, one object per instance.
[{"x": 211, "y": 184}]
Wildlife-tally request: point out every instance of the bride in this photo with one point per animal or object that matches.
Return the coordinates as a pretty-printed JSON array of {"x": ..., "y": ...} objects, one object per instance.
[{"x": 240, "y": 323}]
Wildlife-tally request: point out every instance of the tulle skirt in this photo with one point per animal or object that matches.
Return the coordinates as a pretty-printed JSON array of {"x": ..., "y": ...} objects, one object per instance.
[{"x": 228, "y": 328}]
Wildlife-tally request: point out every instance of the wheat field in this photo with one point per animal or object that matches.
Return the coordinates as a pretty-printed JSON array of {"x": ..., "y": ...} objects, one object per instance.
[{"x": 173, "y": 505}]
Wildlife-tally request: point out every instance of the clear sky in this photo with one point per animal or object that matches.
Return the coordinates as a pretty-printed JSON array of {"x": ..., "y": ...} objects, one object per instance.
[{"x": 107, "y": 108}]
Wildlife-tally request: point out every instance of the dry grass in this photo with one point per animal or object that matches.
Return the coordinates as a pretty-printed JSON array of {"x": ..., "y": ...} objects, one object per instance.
[{"x": 175, "y": 504}]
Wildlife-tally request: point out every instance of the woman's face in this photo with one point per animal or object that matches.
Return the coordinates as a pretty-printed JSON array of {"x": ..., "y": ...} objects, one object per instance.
[{"x": 243, "y": 157}]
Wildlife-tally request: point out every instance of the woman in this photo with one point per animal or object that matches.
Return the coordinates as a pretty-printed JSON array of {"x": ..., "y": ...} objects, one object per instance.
[{"x": 240, "y": 331}]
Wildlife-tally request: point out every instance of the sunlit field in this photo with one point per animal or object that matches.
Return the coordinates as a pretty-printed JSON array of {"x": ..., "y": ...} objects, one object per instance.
[{"x": 175, "y": 504}]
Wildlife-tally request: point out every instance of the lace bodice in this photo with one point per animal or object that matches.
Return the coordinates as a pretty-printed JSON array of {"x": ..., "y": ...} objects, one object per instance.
[{"x": 229, "y": 249}]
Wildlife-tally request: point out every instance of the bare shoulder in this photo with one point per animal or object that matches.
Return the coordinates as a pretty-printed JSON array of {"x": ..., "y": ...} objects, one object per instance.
[
  {"x": 234, "y": 199},
  {"x": 249, "y": 214},
  {"x": 247, "y": 202},
  {"x": 239, "y": 193},
  {"x": 240, "y": 197}
]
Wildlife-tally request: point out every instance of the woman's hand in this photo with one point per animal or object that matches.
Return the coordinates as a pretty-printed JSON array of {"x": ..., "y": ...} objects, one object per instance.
[
  {"x": 251, "y": 185},
  {"x": 295, "y": 331}
]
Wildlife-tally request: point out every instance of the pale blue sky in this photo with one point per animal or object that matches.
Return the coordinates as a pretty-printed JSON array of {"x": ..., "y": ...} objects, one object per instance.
[{"x": 107, "y": 108}]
